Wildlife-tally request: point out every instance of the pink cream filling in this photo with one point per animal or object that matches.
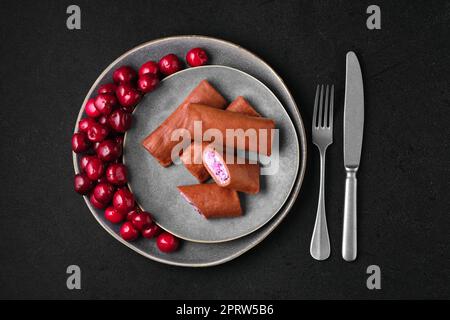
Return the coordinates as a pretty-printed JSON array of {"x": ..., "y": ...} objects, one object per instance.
[{"x": 215, "y": 164}]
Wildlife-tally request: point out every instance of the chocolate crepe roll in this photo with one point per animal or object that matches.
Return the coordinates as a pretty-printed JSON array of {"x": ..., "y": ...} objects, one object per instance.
[
  {"x": 212, "y": 201},
  {"x": 238, "y": 176},
  {"x": 221, "y": 120},
  {"x": 192, "y": 155},
  {"x": 159, "y": 143},
  {"x": 240, "y": 105},
  {"x": 192, "y": 160}
]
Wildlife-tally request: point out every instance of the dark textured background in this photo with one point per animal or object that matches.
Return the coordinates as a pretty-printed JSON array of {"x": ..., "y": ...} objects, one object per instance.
[{"x": 404, "y": 202}]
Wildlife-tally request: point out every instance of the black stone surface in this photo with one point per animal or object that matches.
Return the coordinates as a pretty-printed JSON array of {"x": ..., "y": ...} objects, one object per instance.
[{"x": 404, "y": 202}]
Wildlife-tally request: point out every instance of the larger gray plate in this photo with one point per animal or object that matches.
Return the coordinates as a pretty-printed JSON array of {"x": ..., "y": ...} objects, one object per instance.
[
  {"x": 155, "y": 186},
  {"x": 193, "y": 254}
]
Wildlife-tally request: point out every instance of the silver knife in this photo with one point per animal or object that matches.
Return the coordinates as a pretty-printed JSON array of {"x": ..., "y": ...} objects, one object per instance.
[{"x": 353, "y": 136}]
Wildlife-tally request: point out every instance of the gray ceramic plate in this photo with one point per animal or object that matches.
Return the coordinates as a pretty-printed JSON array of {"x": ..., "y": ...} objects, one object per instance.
[
  {"x": 155, "y": 186},
  {"x": 192, "y": 254}
]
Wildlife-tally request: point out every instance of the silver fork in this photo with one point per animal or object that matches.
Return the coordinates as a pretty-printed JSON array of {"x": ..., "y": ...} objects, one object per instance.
[{"x": 322, "y": 136}]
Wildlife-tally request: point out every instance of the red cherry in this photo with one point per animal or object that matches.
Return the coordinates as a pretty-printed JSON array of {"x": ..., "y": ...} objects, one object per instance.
[
  {"x": 109, "y": 150},
  {"x": 109, "y": 88},
  {"x": 84, "y": 124},
  {"x": 84, "y": 160},
  {"x": 142, "y": 220},
  {"x": 96, "y": 144},
  {"x": 119, "y": 120},
  {"x": 116, "y": 174},
  {"x": 123, "y": 200},
  {"x": 196, "y": 57},
  {"x": 129, "y": 232},
  {"x": 80, "y": 142},
  {"x": 151, "y": 231},
  {"x": 128, "y": 96},
  {"x": 104, "y": 192},
  {"x": 90, "y": 109},
  {"x": 167, "y": 242},
  {"x": 124, "y": 74},
  {"x": 97, "y": 132},
  {"x": 105, "y": 102},
  {"x": 82, "y": 184},
  {"x": 103, "y": 120},
  {"x": 112, "y": 215},
  {"x": 131, "y": 214},
  {"x": 94, "y": 168},
  {"x": 96, "y": 203},
  {"x": 119, "y": 140},
  {"x": 102, "y": 179},
  {"x": 169, "y": 64},
  {"x": 149, "y": 67},
  {"x": 147, "y": 83}
]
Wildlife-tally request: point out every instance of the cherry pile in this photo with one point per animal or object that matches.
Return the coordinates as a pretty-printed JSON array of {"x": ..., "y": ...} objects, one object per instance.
[{"x": 99, "y": 140}]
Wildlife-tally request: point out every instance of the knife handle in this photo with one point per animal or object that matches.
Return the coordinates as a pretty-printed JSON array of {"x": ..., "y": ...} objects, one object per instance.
[{"x": 349, "y": 232}]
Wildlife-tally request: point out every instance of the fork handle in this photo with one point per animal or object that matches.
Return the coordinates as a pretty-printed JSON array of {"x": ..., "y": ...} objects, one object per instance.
[
  {"x": 349, "y": 229},
  {"x": 320, "y": 241}
]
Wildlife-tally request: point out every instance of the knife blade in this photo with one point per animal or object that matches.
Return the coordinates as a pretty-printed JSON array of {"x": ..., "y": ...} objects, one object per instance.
[
  {"x": 353, "y": 112},
  {"x": 353, "y": 136}
]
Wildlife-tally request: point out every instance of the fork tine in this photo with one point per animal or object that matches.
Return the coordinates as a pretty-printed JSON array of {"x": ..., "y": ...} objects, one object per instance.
[
  {"x": 330, "y": 121},
  {"x": 325, "y": 107},
  {"x": 316, "y": 102},
  {"x": 320, "y": 122}
]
